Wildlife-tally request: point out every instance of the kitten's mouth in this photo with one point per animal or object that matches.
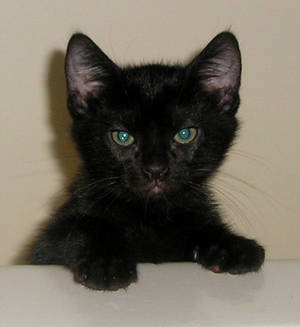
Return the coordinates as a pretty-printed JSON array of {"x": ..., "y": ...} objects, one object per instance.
[{"x": 155, "y": 188}]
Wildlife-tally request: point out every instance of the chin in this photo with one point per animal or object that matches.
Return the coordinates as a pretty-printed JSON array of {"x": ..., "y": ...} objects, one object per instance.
[{"x": 156, "y": 193}]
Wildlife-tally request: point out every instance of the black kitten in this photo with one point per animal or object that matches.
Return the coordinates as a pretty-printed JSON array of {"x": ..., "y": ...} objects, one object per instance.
[{"x": 150, "y": 137}]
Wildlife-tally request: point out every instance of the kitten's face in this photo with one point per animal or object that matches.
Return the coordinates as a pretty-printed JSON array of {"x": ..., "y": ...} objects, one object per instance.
[
  {"x": 153, "y": 130},
  {"x": 154, "y": 141}
]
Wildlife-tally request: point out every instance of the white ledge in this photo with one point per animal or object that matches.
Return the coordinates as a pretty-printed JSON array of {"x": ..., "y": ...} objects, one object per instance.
[{"x": 166, "y": 295}]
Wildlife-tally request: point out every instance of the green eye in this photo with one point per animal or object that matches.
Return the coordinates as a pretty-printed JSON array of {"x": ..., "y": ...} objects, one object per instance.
[
  {"x": 185, "y": 135},
  {"x": 122, "y": 138}
]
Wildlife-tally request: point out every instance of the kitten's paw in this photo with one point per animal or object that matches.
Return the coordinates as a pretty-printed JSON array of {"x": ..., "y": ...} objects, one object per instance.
[
  {"x": 235, "y": 255},
  {"x": 102, "y": 274}
]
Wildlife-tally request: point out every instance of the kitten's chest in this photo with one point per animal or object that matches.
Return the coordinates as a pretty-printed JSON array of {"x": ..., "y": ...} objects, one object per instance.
[{"x": 155, "y": 244}]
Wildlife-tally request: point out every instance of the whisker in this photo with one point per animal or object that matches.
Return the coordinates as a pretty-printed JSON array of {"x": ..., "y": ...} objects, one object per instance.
[
  {"x": 97, "y": 183},
  {"x": 99, "y": 198},
  {"x": 240, "y": 208},
  {"x": 146, "y": 206},
  {"x": 168, "y": 205},
  {"x": 230, "y": 201},
  {"x": 251, "y": 156},
  {"x": 252, "y": 187},
  {"x": 116, "y": 196}
]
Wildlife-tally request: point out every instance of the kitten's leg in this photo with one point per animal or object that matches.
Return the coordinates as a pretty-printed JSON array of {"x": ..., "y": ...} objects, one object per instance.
[
  {"x": 218, "y": 249},
  {"x": 93, "y": 249},
  {"x": 104, "y": 262}
]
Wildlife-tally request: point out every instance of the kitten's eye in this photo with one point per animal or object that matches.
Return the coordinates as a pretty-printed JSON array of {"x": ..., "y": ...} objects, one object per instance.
[
  {"x": 185, "y": 135},
  {"x": 122, "y": 138}
]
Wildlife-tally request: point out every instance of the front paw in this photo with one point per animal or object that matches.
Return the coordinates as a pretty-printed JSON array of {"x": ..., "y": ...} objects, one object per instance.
[
  {"x": 235, "y": 255},
  {"x": 105, "y": 274}
]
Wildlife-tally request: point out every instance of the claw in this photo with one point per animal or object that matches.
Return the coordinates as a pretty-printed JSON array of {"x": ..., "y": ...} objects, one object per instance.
[
  {"x": 215, "y": 269},
  {"x": 196, "y": 254}
]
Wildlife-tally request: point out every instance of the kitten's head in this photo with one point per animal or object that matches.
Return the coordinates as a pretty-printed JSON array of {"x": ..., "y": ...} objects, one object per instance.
[{"x": 153, "y": 130}]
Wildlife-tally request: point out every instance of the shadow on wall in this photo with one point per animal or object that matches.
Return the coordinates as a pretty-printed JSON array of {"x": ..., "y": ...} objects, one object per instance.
[{"x": 61, "y": 147}]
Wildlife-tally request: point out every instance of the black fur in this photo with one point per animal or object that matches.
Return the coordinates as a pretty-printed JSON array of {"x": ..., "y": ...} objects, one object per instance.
[{"x": 147, "y": 202}]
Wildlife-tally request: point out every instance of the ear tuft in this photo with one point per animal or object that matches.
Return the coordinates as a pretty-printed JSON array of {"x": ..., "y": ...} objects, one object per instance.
[
  {"x": 218, "y": 70},
  {"x": 87, "y": 71}
]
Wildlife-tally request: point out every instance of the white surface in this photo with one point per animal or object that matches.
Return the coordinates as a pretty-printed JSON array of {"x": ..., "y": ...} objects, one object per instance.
[{"x": 166, "y": 295}]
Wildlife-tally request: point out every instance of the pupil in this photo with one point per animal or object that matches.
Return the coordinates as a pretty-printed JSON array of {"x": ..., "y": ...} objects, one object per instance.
[
  {"x": 185, "y": 133},
  {"x": 123, "y": 137}
]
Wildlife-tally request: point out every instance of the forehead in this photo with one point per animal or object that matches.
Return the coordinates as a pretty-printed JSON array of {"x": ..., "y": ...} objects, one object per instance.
[
  {"x": 153, "y": 93},
  {"x": 151, "y": 81}
]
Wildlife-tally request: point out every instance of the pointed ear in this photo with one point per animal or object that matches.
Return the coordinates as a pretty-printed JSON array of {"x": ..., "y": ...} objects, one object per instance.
[
  {"x": 88, "y": 72},
  {"x": 217, "y": 69}
]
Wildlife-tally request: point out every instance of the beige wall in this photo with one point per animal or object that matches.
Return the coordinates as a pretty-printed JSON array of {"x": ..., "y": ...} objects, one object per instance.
[{"x": 37, "y": 159}]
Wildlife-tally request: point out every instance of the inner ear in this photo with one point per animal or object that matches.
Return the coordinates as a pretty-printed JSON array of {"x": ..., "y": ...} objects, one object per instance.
[
  {"x": 217, "y": 70},
  {"x": 88, "y": 72}
]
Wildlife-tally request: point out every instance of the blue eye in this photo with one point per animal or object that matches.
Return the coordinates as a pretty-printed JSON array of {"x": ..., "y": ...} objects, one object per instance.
[
  {"x": 122, "y": 138},
  {"x": 185, "y": 135}
]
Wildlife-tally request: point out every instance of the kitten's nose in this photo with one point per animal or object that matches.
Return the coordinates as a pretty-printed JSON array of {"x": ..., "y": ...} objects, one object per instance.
[{"x": 155, "y": 171}]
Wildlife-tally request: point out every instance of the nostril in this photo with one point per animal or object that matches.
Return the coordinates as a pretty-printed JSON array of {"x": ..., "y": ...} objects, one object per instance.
[
  {"x": 155, "y": 172},
  {"x": 147, "y": 172},
  {"x": 164, "y": 172}
]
